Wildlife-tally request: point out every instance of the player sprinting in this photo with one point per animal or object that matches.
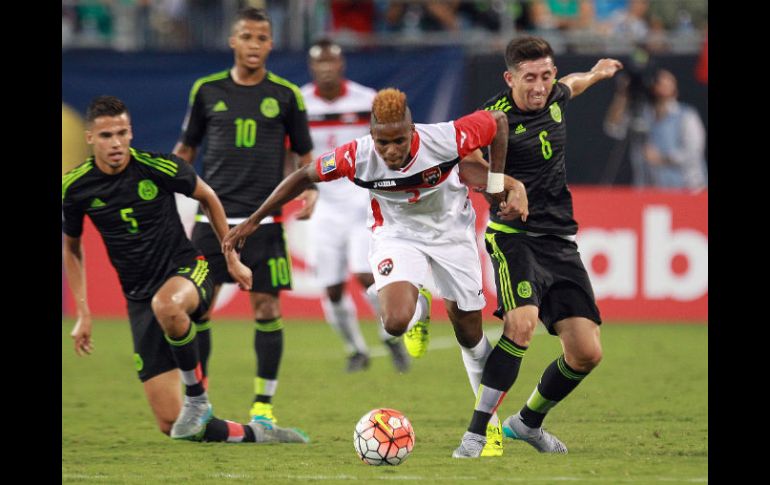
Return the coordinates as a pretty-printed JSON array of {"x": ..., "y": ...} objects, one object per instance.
[
  {"x": 539, "y": 274},
  {"x": 420, "y": 216},
  {"x": 245, "y": 113},
  {"x": 129, "y": 196},
  {"x": 339, "y": 109}
]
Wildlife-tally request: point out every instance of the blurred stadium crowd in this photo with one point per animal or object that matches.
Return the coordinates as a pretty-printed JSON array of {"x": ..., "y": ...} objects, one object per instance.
[{"x": 580, "y": 26}]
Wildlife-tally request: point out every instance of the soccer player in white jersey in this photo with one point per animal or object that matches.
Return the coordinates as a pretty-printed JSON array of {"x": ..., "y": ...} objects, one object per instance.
[
  {"x": 421, "y": 218},
  {"x": 339, "y": 109}
]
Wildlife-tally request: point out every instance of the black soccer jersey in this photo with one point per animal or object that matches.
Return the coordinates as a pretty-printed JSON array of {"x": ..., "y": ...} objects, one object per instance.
[
  {"x": 245, "y": 127},
  {"x": 536, "y": 157},
  {"x": 135, "y": 212}
]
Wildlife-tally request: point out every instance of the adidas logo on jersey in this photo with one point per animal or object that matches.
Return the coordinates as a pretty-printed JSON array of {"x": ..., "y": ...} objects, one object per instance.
[
  {"x": 519, "y": 129},
  {"x": 220, "y": 106},
  {"x": 97, "y": 202}
]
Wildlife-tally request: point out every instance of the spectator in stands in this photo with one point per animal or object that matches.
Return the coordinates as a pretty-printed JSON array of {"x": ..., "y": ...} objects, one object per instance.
[
  {"x": 668, "y": 150},
  {"x": 425, "y": 16},
  {"x": 561, "y": 14},
  {"x": 629, "y": 23}
]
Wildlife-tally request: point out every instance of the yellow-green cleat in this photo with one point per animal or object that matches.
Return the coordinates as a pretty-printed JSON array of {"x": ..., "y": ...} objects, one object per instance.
[
  {"x": 494, "y": 445},
  {"x": 416, "y": 339},
  {"x": 262, "y": 412}
]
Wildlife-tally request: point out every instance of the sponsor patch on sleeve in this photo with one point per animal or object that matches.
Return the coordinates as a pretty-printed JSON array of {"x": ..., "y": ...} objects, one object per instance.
[{"x": 328, "y": 163}]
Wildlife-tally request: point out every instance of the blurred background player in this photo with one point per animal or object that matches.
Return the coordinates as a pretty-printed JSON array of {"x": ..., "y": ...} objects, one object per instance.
[
  {"x": 129, "y": 196},
  {"x": 538, "y": 271},
  {"x": 339, "y": 109},
  {"x": 246, "y": 113},
  {"x": 421, "y": 219}
]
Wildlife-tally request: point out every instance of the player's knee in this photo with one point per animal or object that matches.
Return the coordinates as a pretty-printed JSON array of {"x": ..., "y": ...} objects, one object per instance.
[
  {"x": 520, "y": 328},
  {"x": 334, "y": 293},
  {"x": 164, "y": 307},
  {"x": 585, "y": 360},
  {"x": 395, "y": 323}
]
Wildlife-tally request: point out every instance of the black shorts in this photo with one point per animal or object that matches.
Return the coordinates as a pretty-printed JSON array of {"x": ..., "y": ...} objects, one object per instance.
[
  {"x": 152, "y": 353},
  {"x": 265, "y": 252},
  {"x": 545, "y": 271}
]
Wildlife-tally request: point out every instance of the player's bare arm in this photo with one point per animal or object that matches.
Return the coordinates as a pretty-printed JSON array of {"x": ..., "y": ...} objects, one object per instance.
[
  {"x": 497, "y": 152},
  {"x": 580, "y": 81},
  {"x": 473, "y": 172},
  {"x": 310, "y": 196},
  {"x": 289, "y": 188},
  {"x": 213, "y": 209},
  {"x": 185, "y": 152},
  {"x": 72, "y": 256}
]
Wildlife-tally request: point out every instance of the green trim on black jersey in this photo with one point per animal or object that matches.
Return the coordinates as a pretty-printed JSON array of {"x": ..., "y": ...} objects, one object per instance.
[
  {"x": 70, "y": 177},
  {"x": 290, "y": 85},
  {"x": 206, "y": 79},
  {"x": 504, "y": 228},
  {"x": 161, "y": 164}
]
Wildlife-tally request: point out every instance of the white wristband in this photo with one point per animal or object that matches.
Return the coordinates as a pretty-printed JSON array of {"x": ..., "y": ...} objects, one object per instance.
[{"x": 495, "y": 182}]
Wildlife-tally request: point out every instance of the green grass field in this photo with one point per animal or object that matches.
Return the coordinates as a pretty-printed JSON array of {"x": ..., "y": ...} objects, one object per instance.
[{"x": 640, "y": 417}]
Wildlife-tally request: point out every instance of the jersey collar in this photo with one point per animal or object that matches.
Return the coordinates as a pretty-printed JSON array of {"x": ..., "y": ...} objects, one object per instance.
[{"x": 412, "y": 151}]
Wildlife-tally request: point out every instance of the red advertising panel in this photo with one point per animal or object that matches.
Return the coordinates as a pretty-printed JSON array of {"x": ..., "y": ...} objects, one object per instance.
[{"x": 645, "y": 250}]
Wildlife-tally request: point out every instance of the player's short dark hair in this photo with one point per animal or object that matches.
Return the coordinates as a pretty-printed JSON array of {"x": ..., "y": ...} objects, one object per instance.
[
  {"x": 105, "y": 106},
  {"x": 253, "y": 13},
  {"x": 323, "y": 43},
  {"x": 527, "y": 48}
]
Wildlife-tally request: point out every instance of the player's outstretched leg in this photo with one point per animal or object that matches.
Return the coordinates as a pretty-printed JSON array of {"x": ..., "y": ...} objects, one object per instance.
[
  {"x": 540, "y": 439},
  {"x": 416, "y": 338}
]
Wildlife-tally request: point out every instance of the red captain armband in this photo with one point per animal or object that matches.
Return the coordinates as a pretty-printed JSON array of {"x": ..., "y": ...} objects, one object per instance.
[
  {"x": 337, "y": 163},
  {"x": 474, "y": 131}
]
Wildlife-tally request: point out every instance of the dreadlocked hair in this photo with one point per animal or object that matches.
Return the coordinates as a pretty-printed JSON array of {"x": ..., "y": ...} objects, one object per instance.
[{"x": 389, "y": 106}]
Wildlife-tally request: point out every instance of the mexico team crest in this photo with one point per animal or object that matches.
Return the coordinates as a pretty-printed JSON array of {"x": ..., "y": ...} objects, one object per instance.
[
  {"x": 269, "y": 107},
  {"x": 328, "y": 163},
  {"x": 431, "y": 176},
  {"x": 385, "y": 267},
  {"x": 147, "y": 189},
  {"x": 555, "y": 112}
]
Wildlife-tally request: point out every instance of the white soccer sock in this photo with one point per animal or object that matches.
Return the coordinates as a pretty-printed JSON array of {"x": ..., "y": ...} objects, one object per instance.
[
  {"x": 474, "y": 359},
  {"x": 374, "y": 302},
  {"x": 342, "y": 316},
  {"x": 420, "y": 311}
]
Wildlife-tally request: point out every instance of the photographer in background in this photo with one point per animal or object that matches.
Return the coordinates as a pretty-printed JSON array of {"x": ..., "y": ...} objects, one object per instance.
[{"x": 666, "y": 138}]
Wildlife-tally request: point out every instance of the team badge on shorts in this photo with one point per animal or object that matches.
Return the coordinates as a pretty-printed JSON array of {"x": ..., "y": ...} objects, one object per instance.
[
  {"x": 524, "y": 289},
  {"x": 385, "y": 267},
  {"x": 431, "y": 176},
  {"x": 328, "y": 163}
]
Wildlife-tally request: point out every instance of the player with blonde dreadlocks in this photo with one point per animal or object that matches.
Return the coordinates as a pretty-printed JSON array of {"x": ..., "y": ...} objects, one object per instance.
[{"x": 421, "y": 218}]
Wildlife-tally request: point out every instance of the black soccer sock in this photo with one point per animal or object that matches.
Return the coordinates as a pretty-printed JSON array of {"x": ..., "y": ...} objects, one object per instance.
[
  {"x": 185, "y": 352},
  {"x": 229, "y": 431},
  {"x": 203, "y": 330},
  {"x": 268, "y": 345},
  {"x": 558, "y": 380},
  {"x": 499, "y": 374}
]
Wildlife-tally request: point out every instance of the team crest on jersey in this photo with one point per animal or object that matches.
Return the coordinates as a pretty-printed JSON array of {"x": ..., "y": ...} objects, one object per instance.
[
  {"x": 385, "y": 267},
  {"x": 328, "y": 163},
  {"x": 555, "y": 112},
  {"x": 147, "y": 189},
  {"x": 431, "y": 176},
  {"x": 269, "y": 107}
]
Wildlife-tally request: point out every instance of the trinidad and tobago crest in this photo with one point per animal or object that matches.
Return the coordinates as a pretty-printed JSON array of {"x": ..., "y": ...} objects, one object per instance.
[
  {"x": 385, "y": 267},
  {"x": 431, "y": 176}
]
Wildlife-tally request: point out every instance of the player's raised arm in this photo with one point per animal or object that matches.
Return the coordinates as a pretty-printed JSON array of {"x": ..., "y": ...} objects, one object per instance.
[
  {"x": 289, "y": 188},
  {"x": 580, "y": 81}
]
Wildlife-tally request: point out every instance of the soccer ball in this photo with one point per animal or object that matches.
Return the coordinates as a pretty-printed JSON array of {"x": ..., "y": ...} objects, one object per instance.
[{"x": 383, "y": 437}]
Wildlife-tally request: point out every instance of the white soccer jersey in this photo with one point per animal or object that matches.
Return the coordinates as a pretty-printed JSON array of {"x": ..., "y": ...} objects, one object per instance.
[
  {"x": 425, "y": 199},
  {"x": 334, "y": 122}
]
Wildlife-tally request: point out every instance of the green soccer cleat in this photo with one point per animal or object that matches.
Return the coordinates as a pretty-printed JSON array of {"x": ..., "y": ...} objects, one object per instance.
[
  {"x": 494, "y": 445},
  {"x": 416, "y": 339},
  {"x": 192, "y": 420},
  {"x": 262, "y": 411},
  {"x": 541, "y": 440}
]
